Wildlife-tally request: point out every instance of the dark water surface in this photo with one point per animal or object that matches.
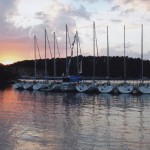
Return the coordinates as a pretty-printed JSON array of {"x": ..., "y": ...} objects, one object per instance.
[{"x": 73, "y": 121}]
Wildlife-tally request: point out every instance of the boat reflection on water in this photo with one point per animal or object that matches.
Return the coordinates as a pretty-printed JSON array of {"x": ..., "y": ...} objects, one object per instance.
[{"x": 62, "y": 120}]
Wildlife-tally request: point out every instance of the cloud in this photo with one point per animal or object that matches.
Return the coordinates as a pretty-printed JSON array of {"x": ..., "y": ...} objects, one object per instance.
[
  {"x": 56, "y": 21},
  {"x": 127, "y": 1},
  {"x": 116, "y": 7},
  {"x": 65, "y": 14},
  {"x": 8, "y": 30},
  {"x": 7, "y": 7},
  {"x": 128, "y": 11},
  {"x": 90, "y": 1},
  {"x": 133, "y": 4},
  {"x": 130, "y": 53},
  {"x": 116, "y": 20},
  {"x": 81, "y": 12},
  {"x": 118, "y": 50},
  {"x": 115, "y": 51}
]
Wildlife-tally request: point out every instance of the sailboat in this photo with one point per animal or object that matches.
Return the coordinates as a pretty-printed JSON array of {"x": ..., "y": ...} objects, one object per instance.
[
  {"x": 42, "y": 85},
  {"x": 125, "y": 87},
  {"x": 69, "y": 82},
  {"x": 84, "y": 86},
  {"x": 18, "y": 85},
  {"x": 106, "y": 87},
  {"x": 53, "y": 86},
  {"x": 29, "y": 85},
  {"x": 143, "y": 87}
]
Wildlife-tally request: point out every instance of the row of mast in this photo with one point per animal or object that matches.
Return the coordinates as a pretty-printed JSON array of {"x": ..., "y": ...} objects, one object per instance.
[
  {"x": 46, "y": 39},
  {"x": 94, "y": 44}
]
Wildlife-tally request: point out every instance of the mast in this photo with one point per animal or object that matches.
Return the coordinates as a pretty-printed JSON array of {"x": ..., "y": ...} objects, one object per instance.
[
  {"x": 54, "y": 56},
  {"x": 93, "y": 51},
  {"x": 77, "y": 53},
  {"x": 124, "y": 57},
  {"x": 80, "y": 58},
  {"x": 35, "y": 56},
  {"x": 142, "y": 52},
  {"x": 66, "y": 50},
  {"x": 107, "y": 55},
  {"x": 45, "y": 56}
]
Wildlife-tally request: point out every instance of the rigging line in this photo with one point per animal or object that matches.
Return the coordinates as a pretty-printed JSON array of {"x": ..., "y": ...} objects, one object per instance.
[
  {"x": 69, "y": 62},
  {"x": 72, "y": 50},
  {"x": 69, "y": 40},
  {"x": 37, "y": 47},
  {"x": 73, "y": 45},
  {"x": 79, "y": 46},
  {"x": 49, "y": 45}
]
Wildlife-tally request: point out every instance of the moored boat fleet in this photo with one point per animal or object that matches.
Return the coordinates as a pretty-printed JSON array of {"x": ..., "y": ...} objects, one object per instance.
[{"x": 76, "y": 84}]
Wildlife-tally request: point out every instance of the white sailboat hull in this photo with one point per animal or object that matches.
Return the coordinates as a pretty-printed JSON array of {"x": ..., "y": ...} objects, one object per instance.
[
  {"x": 105, "y": 88},
  {"x": 51, "y": 87},
  {"x": 145, "y": 88},
  {"x": 18, "y": 86},
  {"x": 86, "y": 87},
  {"x": 55, "y": 87},
  {"x": 125, "y": 88},
  {"x": 39, "y": 86},
  {"x": 28, "y": 86},
  {"x": 82, "y": 87},
  {"x": 67, "y": 86}
]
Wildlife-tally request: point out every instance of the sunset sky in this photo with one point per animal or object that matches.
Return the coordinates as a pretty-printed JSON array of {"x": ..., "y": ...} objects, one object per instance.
[{"x": 20, "y": 20}]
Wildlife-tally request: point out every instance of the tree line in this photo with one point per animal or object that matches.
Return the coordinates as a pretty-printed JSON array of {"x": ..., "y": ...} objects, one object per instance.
[{"x": 116, "y": 67}]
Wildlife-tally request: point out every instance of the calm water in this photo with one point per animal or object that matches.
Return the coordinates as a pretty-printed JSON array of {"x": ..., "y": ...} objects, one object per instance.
[{"x": 73, "y": 121}]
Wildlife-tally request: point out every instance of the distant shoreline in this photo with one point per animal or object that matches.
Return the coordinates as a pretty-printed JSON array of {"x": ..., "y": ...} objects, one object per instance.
[{"x": 9, "y": 82}]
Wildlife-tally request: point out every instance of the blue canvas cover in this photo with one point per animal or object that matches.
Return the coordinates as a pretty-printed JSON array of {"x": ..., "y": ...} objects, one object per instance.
[{"x": 72, "y": 78}]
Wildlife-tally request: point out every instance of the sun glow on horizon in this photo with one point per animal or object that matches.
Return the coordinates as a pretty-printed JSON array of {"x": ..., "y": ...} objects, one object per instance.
[{"x": 7, "y": 62}]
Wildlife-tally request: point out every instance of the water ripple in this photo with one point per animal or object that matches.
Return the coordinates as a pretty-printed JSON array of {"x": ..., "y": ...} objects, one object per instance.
[{"x": 73, "y": 121}]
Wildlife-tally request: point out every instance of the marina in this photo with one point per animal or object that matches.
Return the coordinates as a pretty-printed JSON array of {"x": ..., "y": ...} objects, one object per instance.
[
  {"x": 75, "y": 75},
  {"x": 75, "y": 83}
]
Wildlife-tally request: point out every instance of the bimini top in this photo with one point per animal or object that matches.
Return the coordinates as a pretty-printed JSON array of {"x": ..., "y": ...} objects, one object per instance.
[{"x": 72, "y": 79}]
